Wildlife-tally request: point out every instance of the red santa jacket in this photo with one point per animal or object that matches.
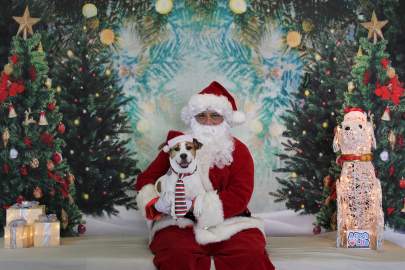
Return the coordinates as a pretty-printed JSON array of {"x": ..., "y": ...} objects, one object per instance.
[{"x": 232, "y": 188}]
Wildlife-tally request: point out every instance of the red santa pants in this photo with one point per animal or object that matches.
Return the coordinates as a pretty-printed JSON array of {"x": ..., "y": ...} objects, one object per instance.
[{"x": 176, "y": 249}]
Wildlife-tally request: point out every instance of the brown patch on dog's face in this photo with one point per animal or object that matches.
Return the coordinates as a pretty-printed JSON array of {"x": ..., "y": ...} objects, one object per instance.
[
  {"x": 174, "y": 150},
  {"x": 197, "y": 144}
]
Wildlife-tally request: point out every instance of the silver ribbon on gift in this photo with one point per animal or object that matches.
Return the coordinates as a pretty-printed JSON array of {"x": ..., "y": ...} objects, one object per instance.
[
  {"x": 47, "y": 219},
  {"x": 24, "y": 205},
  {"x": 13, "y": 230}
]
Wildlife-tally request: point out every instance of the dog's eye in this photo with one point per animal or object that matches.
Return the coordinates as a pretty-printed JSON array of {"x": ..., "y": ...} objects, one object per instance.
[
  {"x": 347, "y": 128},
  {"x": 188, "y": 147},
  {"x": 360, "y": 126},
  {"x": 177, "y": 149}
]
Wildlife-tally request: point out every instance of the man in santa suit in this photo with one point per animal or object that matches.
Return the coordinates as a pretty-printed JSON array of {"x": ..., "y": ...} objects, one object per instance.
[{"x": 218, "y": 224}]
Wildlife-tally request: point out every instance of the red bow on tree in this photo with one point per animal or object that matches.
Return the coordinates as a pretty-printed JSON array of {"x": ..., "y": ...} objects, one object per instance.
[{"x": 393, "y": 91}]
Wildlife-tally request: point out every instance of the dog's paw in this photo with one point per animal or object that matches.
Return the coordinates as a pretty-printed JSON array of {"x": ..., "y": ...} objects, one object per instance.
[{"x": 198, "y": 203}]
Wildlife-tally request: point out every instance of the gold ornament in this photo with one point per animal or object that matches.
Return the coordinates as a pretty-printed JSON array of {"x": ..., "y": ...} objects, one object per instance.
[
  {"x": 350, "y": 86},
  {"x": 325, "y": 124},
  {"x": 391, "y": 72},
  {"x": 26, "y": 22},
  {"x": 28, "y": 120},
  {"x": 64, "y": 219},
  {"x": 108, "y": 158},
  {"x": 58, "y": 89},
  {"x": 93, "y": 23},
  {"x": 34, "y": 163},
  {"x": 70, "y": 54},
  {"x": 293, "y": 39},
  {"x": 76, "y": 121},
  {"x": 108, "y": 72},
  {"x": 386, "y": 115},
  {"x": 5, "y": 136},
  {"x": 8, "y": 69},
  {"x": 122, "y": 176},
  {"x": 238, "y": 6},
  {"x": 37, "y": 193},
  {"x": 374, "y": 27},
  {"x": 304, "y": 132},
  {"x": 86, "y": 196},
  {"x": 294, "y": 175},
  {"x": 392, "y": 139},
  {"x": 307, "y": 93},
  {"x": 89, "y": 10},
  {"x": 318, "y": 57},
  {"x": 359, "y": 52},
  {"x": 40, "y": 48},
  {"x": 107, "y": 37},
  {"x": 11, "y": 111},
  {"x": 164, "y": 6},
  {"x": 48, "y": 83},
  {"x": 307, "y": 26},
  {"x": 302, "y": 206}
]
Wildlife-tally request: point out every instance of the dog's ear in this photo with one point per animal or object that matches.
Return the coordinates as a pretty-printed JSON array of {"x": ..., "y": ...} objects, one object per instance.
[
  {"x": 337, "y": 139},
  {"x": 197, "y": 144},
  {"x": 161, "y": 146}
]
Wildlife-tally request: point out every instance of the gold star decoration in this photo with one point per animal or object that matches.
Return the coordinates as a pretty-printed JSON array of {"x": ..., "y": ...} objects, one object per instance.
[
  {"x": 374, "y": 27},
  {"x": 26, "y": 22}
]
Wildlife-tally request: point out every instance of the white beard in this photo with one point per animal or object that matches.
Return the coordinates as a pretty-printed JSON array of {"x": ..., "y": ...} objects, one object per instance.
[{"x": 217, "y": 143}]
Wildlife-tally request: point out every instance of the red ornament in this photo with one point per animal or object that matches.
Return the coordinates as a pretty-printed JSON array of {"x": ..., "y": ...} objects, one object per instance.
[
  {"x": 400, "y": 141},
  {"x": 49, "y": 165},
  {"x": 61, "y": 128},
  {"x": 57, "y": 158},
  {"x": 28, "y": 142},
  {"x": 81, "y": 228},
  {"x": 366, "y": 77},
  {"x": 384, "y": 62},
  {"x": 24, "y": 170},
  {"x": 14, "y": 59},
  {"x": 104, "y": 193},
  {"x": 316, "y": 229},
  {"x": 51, "y": 106},
  {"x": 402, "y": 183},
  {"x": 392, "y": 170},
  {"x": 390, "y": 210},
  {"x": 6, "y": 168},
  {"x": 32, "y": 73},
  {"x": 20, "y": 199},
  {"x": 47, "y": 139}
]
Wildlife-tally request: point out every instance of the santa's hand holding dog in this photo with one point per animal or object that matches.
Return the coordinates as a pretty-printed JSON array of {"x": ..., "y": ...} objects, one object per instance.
[{"x": 218, "y": 224}]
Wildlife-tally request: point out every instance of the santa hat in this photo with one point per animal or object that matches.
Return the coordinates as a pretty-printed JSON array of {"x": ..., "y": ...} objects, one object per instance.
[
  {"x": 354, "y": 114},
  {"x": 173, "y": 138},
  {"x": 214, "y": 97}
]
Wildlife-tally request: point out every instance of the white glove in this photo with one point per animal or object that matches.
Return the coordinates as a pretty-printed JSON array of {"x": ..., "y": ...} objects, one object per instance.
[
  {"x": 164, "y": 203},
  {"x": 198, "y": 203}
]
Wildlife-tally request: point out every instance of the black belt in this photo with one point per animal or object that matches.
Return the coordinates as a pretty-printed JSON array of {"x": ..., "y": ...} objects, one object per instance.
[{"x": 191, "y": 216}]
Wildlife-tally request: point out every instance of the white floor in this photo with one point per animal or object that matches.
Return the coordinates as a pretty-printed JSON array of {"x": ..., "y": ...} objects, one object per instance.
[{"x": 279, "y": 223}]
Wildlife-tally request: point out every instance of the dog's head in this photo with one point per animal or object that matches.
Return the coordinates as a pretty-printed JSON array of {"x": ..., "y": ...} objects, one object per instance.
[
  {"x": 355, "y": 134},
  {"x": 182, "y": 155}
]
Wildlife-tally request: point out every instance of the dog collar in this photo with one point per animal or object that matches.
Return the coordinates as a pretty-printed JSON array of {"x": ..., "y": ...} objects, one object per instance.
[{"x": 182, "y": 175}]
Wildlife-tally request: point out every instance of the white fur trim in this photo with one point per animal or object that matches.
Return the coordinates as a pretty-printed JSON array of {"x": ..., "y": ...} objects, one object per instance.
[
  {"x": 145, "y": 195},
  {"x": 226, "y": 229},
  {"x": 202, "y": 102},
  {"x": 167, "y": 221},
  {"x": 166, "y": 148},
  {"x": 238, "y": 118},
  {"x": 181, "y": 138},
  {"x": 208, "y": 209}
]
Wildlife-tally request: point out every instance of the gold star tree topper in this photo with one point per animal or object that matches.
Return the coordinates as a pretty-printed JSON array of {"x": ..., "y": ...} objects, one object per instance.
[
  {"x": 26, "y": 22},
  {"x": 374, "y": 27}
]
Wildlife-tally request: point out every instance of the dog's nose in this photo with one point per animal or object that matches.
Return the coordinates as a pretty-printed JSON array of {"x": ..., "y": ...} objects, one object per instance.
[{"x": 183, "y": 156}]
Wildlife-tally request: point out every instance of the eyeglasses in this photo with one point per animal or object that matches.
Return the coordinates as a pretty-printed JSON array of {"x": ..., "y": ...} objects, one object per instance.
[{"x": 209, "y": 118}]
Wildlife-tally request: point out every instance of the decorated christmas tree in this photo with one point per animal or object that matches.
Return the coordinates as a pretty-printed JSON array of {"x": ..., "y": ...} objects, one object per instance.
[
  {"x": 96, "y": 128},
  {"x": 378, "y": 91},
  {"x": 310, "y": 123},
  {"x": 31, "y": 159}
]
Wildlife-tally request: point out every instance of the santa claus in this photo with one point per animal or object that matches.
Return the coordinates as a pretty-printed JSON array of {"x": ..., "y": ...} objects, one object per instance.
[{"x": 218, "y": 224}]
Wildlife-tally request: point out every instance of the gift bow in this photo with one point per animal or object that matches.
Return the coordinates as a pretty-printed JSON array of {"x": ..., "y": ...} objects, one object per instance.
[
  {"x": 14, "y": 224},
  {"x": 47, "y": 218},
  {"x": 25, "y": 204}
]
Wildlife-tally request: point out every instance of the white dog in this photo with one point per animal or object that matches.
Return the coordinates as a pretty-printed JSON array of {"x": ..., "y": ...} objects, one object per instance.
[
  {"x": 182, "y": 182},
  {"x": 359, "y": 203}
]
